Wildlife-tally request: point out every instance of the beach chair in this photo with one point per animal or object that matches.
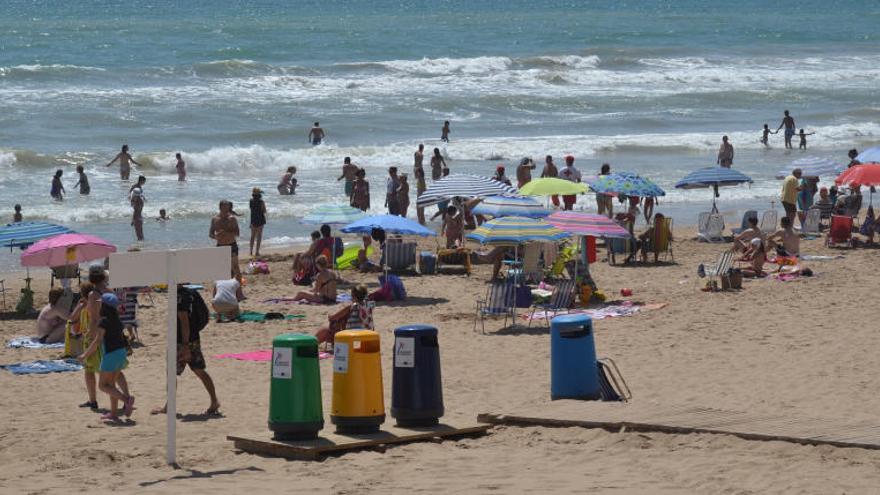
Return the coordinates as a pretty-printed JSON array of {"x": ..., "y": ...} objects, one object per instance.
[
  {"x": 500, "y": 301},
  {"x": 812, "y": 220},
  {"x": 721, "y": 267},
  {"x": 3, "y": 292},
  {"x": 400, "y": 255},
  {"x": 840, "y": 232},
  {"x": 560, "y": 300},
  {"x": 703, "y": 221},
  {"x": 769, "y": 221},
  {"x": 531, "y": 270},
  {"x": 64, "y": 274},
  {"x": 563, "y": 256},
  {"x": 454, "y": 256},
  {"x": 661, "y": 240},
  {"x": 745, "y": 221},
  {"x": 619, "y": 246},
  {"x": 714, "y": 231}
]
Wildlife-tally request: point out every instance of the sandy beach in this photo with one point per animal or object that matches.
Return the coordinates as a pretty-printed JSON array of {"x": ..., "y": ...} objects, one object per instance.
[{"x": 803, "y": 348}]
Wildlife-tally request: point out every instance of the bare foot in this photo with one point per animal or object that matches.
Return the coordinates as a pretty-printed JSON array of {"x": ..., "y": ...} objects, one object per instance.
[{"x": 213, "y": 410}]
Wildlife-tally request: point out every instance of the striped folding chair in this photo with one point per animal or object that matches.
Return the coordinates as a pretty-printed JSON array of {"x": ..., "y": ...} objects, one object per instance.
[
  {"x": 721, "y": 267},
  {"x": 560, "y": 300},
  {"x": 811, "y": 221},
  {"x": 400, "y": 255},
  {"x": 500, "y": 301},
  {"x": 769, "y": 222},
  {"x": 714, "y": 229}
]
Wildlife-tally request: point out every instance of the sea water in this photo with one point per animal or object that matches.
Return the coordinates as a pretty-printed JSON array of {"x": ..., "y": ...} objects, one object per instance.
[{"x": 646, "y": 86}]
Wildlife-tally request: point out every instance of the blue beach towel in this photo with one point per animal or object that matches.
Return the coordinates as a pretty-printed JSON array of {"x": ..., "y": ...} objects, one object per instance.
[
  {"x": 40, "y": 367},
  {"x": 31, "y": 343}
]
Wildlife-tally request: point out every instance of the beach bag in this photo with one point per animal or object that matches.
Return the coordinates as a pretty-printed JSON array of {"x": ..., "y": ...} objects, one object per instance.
[
  {"x": 198, "y": 313},
  {"x": 338, "y": 247},
  {"x": 523, "y": 296}
]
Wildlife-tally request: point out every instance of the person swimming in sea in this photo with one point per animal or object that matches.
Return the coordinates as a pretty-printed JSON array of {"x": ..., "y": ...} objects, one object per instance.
[
  {"x": 316, "y": 135},
  {"x": 125, "y": 160},
  {"x": 57, "y": 191}
]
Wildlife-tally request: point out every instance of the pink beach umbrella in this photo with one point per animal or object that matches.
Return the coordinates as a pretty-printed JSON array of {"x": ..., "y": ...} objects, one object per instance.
[{"x": 66, "y": 249}]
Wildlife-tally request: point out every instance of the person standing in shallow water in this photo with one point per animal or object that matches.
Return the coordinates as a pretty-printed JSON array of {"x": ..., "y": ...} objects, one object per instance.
[
  {"x": 125, "y": 160},
  {"x": 725, "y": 153},
  {"x": 444, "y": 133},
  {"x": 788, "y": 123},
  {"x": 57, "y": 190},
  {"x": 349, "y": 172},
  {"x": 437, "y": 165},
  {"x": 316, "y": 135},
  {"x": 181, "y": 168}
]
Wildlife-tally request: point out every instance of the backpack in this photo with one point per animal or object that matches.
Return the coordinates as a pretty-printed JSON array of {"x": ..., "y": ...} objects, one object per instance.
[{"x": 198, "y": 313}]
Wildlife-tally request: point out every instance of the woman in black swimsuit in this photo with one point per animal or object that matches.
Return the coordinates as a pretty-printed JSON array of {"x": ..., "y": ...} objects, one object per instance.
[{"x": 258, "y": 220}]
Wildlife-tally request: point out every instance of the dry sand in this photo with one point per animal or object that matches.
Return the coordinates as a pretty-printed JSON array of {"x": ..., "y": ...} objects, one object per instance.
[{"x": 802, "y": 348}]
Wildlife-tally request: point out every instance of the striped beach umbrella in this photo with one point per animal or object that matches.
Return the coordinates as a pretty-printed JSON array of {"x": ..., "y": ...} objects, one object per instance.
[
  {"x": 391, "y": 224},
  {"x": 628, "y": 183},
  {"x": 549, "y": 186},
  {"x": 588, "y": 224},
  {"x": 713, "y": 177},
  {"x": 23, "y": 234},
  {"x": 513, "y": 231},
  {"x": 332, "y": 214},
  {"x": 463, "y": 186},
  {"x": 508, "y": 206},
  {"x": 812, "y": 167}
]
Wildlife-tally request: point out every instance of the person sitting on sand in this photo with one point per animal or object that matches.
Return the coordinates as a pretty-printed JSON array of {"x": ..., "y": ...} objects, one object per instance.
[
  {"x": 646, "y": 238},
  {"x": 742, "y": 240},
  {"x": 356, "y": 315},
  {"x": 757, "y": 253},
  {"x": 52, "y": 320},
  {"x": 324, "y": 289},
  {"x": 786, "y": 241},
  {"x": 363, "y": 263},
  {"x": 225, "y": 298}
]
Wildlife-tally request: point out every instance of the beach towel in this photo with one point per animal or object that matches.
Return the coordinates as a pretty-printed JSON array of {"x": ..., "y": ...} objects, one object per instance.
[
  {"x": 813, "y": 257},
  {"x": 627, "y": 308},
  {"x": 40, "y": 366},
  {"x": 263, "y": 355},
  {"x": 340, "y": 298},
  {"x": 31, "y": 343},
  {"x": 255, "y": 316}
]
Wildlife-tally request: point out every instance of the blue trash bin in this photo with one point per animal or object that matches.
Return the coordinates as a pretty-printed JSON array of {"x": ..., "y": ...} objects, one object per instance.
[
  {"x": 574, "y": 373},
  {"x": 417, "y": 390}
]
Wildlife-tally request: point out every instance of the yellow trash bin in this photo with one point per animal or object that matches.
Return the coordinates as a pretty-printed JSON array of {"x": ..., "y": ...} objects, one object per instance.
[{"x": 358, "y": 400}]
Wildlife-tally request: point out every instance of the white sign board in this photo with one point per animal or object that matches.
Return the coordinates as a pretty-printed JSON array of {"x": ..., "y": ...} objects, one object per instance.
[
  {"x": 405, "y": 352},
  {"x": 282, "y": 362},
  {"x": 340, "y": 357},
  {"x": 172, "y": 267}
]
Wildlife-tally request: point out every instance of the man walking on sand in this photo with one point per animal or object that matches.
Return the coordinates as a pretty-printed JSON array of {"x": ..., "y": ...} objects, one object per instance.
[
  {"x": 189, "y": 347},
  {"x": 788, "y": 123},
  {"x": 725, "y": 153},
  {"x": 224, "y": 230}
]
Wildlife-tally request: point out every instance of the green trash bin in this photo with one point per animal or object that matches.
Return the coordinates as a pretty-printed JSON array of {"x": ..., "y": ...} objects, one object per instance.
[{"x": 295, "y": 393}]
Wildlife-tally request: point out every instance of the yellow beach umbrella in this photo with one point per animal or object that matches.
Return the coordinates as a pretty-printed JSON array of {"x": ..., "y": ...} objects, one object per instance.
[{"x": 550, "y": 185}]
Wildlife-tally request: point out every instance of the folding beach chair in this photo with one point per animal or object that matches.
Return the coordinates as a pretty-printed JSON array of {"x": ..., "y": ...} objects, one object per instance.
[
  {"x": 560, "y": 300},
  {"x": 714, "y": 231},
  {"x": 618, "y": 246},
  {"x": 703, "y": 222},
  {"x": 811, "y": 222},
  {"x": 661, "y": 240},
  {"x": 768, "y": 222},
  {"x": 400, "y": 255},
  {"x": 840, "y": 232},
  {"x": 3, "y": 292},
  {"x": 500, "y": 301},
  {"x": 745, "y": 221},
  {"x": 531, "y": 270},
  {"x": 721, "y": 267}
]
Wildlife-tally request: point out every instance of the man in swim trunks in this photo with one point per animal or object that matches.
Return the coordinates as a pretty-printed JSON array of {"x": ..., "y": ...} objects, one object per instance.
[
  {"x": 725, "y": 153},
  {"x": 224, "y": 230},
  {"x": 349, "y": 173},
  {"x": 125, "y": 161},
  {"x": 316, "y": 135},
  {"x": 418, "y": 158},
  {"x": 524, "y": 171},
  {"x": 788, "y": 123}
]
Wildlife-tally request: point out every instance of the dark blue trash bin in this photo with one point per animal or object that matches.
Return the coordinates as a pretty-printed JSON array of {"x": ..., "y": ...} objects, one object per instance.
[
  {"x": 417, "y": 390},
  {"x": 574, "y": 372}
]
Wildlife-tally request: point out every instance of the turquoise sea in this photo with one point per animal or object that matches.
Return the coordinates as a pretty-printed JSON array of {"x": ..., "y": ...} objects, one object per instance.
[{"x": 647, "y": 86}]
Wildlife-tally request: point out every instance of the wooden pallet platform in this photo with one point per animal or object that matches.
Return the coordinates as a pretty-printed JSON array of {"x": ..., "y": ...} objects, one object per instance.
[
  {"x": 331, "y": 443},
  {"x": 690, "y": 419}
]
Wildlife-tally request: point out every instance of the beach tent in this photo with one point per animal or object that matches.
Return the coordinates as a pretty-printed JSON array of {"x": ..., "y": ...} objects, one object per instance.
[
  {"x": 463, "y": 186},
  {"x": 507, "y": 206},
  {"x": 713, "y": 177}
]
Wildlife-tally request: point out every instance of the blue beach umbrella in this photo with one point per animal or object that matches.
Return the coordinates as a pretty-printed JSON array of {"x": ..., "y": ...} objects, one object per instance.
[
  {"x": 812, "y": 167},
  {"x": 392, "y": 224},
  {"x": 628, "y": 183},
  {"x": 870, "y": 155},
  {"x": 332, "y": 214},
  {"x": 506, "y": 206},
  {"x": 713, "y": 177},
  {"x": 513, "y": 231},
  {"x": 23, "y": 234}
]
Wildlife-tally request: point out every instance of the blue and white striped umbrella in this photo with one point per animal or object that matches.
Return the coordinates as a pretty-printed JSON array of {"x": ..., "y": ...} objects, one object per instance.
[
  {"x": 506, "y": 206},
  {"x": 870, "y": 155},
  {"x": 511, "y": 231},
  {"x": 23, "y": 234},
  {"x": 812, "y": 167},
  {"x": 391, "y": 224},
  {"x": 463, "y": 186},
  {"x": 712, "y": 177},
  {"x": 332, "y": 214}
]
